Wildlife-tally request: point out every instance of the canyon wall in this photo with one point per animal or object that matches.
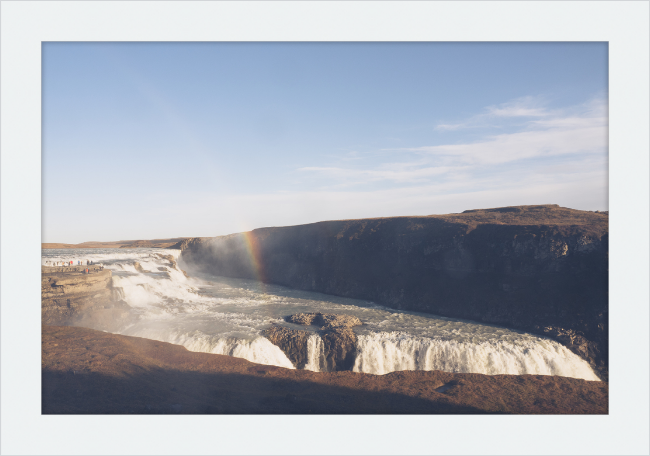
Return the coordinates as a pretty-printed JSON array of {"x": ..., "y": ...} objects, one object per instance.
[
  {"x": 71, "y": 297},
  {"x": 542, "y": 269}
]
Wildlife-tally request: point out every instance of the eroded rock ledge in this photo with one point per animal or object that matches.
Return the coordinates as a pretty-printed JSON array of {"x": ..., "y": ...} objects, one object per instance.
[
  {"x": 292, "y": 342},
  {"x": 70, "y": 297},
  {"x": 339, "y": 340}
]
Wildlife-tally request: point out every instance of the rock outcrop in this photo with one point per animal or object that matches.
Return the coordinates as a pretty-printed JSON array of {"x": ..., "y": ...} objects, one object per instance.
[
  {"x": 69, "y": 296},
  {"x": 325, "y": 321},
  {"x": 526, "y": 267},
  {"x": 172, "y": 263},
  {"x": 291, "y": 341},
  {"x": 138, "y": 267},
  {"x": 339, "y": 340},
  {"x": 339, "y": 349}
]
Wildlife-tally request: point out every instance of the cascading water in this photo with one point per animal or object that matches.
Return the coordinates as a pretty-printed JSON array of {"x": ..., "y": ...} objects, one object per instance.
[
  {"x": 226, "y": 316},
  {"x": 314, "y": 353},
  {"x": 383, "y": 353}
]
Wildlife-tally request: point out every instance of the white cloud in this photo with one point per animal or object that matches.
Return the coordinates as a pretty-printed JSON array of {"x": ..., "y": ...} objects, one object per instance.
[
  {"x": 559, "y": 158},
  {"x": 395, "y": 172},
  {"x": 520, "y": 107},
  {"x": 450, "y": 127},
  {"x": 564, "y": 137},
  {"x": 577, "y": 131},
  {"x": 554, "y": 156}
]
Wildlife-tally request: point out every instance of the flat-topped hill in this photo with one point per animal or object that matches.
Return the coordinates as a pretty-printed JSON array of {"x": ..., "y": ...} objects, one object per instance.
[
  {"x": 154, "y": 243},
  {"x": 541, "y": 214}
]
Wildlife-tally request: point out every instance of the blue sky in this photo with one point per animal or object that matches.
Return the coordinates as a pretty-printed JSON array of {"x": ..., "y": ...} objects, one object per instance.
[{"x": 157, "y": 140}]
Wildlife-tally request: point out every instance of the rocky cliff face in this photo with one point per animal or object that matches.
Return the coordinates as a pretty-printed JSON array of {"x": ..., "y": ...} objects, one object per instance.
[
  {"x": 338, "y": 338},
  {"x": 537, "y": 268},
  {"x": 71, "y": 297}
]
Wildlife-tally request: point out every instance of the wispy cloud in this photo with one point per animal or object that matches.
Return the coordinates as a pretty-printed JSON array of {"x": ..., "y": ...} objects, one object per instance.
[
  {"x": 558, "y": 137},
  {"x": 493, "y": 116},
  {"x": 547, "y": 148},
  {"x": 520, "y": 107},
  {"x": 396, "y": 172},
  {"x": 542, "y": 136},
  {"x": 450, "y": 127}
]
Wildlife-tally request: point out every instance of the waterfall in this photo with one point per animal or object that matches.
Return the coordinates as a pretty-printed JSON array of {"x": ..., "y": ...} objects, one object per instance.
[
  {"x": 314, "y": 353},
  {"x": 382, "y": 353}
]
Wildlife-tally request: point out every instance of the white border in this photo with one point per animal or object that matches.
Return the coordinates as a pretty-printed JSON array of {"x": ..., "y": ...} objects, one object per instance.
[{"x": 26, "y": 24}]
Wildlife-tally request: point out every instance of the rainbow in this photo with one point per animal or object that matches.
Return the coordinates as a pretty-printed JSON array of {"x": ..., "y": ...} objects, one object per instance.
[{"x": 251, "y": 244}]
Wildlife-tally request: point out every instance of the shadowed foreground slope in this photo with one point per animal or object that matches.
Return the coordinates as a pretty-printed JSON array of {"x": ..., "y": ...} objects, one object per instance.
[{"x": 87, "y": 371}]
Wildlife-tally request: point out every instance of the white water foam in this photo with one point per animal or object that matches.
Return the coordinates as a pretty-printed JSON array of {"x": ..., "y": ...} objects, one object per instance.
[
  {"x": 258, "y": 350},
  {"x": 385, "y": 352},
  {"x": 314, "y": 353},
  {"x": 226, "y": 316}
]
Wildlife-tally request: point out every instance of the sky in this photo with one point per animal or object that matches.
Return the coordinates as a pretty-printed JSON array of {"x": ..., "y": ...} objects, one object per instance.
[{"x": 163, "y": 140}]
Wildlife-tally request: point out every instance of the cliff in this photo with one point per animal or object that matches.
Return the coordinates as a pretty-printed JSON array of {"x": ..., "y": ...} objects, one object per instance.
[
  {"x": 542, "y": 269},
  {"x": 69, "y": 296}
]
